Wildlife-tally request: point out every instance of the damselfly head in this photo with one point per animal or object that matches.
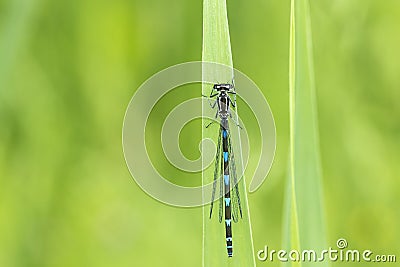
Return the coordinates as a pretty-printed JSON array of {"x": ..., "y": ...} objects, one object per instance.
[{"x": 223, "y": 87}]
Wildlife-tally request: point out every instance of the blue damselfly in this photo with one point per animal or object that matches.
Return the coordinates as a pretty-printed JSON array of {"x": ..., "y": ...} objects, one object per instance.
[{"x": 225, "y": 168}]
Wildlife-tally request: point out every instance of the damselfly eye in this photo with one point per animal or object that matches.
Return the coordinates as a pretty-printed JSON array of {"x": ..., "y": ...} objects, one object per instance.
[{"x": 223, "y": 86}]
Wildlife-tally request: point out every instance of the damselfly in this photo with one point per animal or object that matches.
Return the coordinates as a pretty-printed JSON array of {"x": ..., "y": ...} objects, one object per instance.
[{"x": 229, "y": 204}]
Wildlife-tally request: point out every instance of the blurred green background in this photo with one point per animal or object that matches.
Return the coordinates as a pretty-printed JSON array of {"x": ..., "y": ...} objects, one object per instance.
[{"x": 69, "y": 68}]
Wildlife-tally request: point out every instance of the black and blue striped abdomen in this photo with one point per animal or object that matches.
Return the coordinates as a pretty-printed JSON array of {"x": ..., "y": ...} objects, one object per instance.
[{"x": 227, "y": 194}]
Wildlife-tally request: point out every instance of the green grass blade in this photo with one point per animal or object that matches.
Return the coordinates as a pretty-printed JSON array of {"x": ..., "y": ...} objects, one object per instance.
[
  {"x": 304, "y": 224},
  {"x": 216, "y": 40},
  {"x": 217, "y": 48}
]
